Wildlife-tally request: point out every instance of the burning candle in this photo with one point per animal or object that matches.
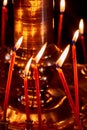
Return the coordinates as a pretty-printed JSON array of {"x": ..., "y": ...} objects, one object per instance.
[
  {"x": 62, "y": 9},
  {"x": 36, "y": 75},
  {"x": 59, "y": 64},
  {"x": 81, "y": 31},
  {"x": 26, "y": 88},
  {"x": 17, "y": 45},
  {"x": 4, "y": 19},
  {"x": 74, "y": 58}
]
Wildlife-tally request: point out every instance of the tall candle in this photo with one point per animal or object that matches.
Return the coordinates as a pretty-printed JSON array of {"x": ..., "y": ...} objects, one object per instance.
[
  {"x": 62, "y": 9},
  {"x": 74, "y": 58},
  {"x": 4, "y": 19},
  {"x": 37, "y": 85},
  {"x": 81, "y": 31},
  {"x": 26, "y": 88},
  {"x": 59, "y": 64},
  {"x": 10, "y": 76},
  {"x": 66, "y": 88}
]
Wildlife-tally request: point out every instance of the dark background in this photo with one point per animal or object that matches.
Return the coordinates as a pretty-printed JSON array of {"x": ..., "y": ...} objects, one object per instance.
[{"x": 75, "y": 10}]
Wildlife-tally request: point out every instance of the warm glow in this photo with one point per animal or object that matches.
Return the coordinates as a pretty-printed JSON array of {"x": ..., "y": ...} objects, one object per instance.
[
  {"x": 75, "y": 37},
  {"x": 40, "y": 53},
  {"x": 62, "y": 5},
  {"x": 33, "y": 31},
  {"x": 18, "y": 43},
  {"x": 53, "y": 4},
  {"x": 81, "y": 26},
  {"x": 27, "y": 67},
  {"x": 34, "y": 6},
  {"x": 53, "y": 23},
  {"x": 5, "y": 2},
  {"x": 63, "y": 56}
]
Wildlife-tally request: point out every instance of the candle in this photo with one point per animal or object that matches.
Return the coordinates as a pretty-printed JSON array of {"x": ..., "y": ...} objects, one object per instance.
[
  {"x": 81, "y": 31},
  {"x": 59, "y": 63},
  {"x": 37, "y": 86},
  {"x": 74, "y": 58},
  {"x": 62, "y": 9},
  {"x": 17, "y": 45},
  {"x": 4, "y": 19},
  {"x": 36, "y": 75},
  {"x": 26, "y": 88},
  {"x": 63, "y": 80}
]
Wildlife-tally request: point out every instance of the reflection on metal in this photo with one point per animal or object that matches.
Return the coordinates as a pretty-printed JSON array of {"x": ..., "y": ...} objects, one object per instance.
[{"x": 34, "y": 20}]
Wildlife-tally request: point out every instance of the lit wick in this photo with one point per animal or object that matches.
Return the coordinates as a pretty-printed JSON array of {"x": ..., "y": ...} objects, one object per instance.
[
  {"x": 81, "y": 31},
  {"x": 4, "y": 19},
  {"x": 62, "y": 9},
  {"x": 36, "y": 75},
  {"x": 17, "y": 45},
  {"x": 74, "y": 58},
  {"x": 26, "y": 88},
  {"x": 59, "y": 64}
]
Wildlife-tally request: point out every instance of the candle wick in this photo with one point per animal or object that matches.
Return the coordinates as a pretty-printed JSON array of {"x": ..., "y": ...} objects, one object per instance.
[
  {"x": 73, "y": 42},
  {"x": 62, "y": 12},
  {"x": 14, "y": 49},
  {"x": 57, "y": 66}
]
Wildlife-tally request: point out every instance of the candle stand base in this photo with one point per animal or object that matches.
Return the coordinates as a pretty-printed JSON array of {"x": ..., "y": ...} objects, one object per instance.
[
  {"x": 29, "y": 125},
  {"x": 3, "y": 125}
]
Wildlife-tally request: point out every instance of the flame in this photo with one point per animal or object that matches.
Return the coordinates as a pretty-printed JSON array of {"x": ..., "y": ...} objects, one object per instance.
[
  {"x": 18, "y": 43},
  {"x": 81, "y": 26},
  {"x": 5, "y": 2},
  {"x": 27, "y": 67},
  {"x": 63, "y": 56},
  {"x": 76, "y": 34},
  {"x": 40, "y": 53},
  {"x": 62, "y": 5}
]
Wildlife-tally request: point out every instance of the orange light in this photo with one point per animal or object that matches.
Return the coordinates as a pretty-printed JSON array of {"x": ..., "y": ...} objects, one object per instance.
[
  {"x": 40, "y": 53},
  {"x": 18, "y": 43},
  {"x": 62, "y": 5},
  {"x": 4, "y": 2},
  {"x": 27, "y": 67},
  {"x": 75, "y": 37},
  {"x": 63, "y": 56},
  {"x": 81, "y": 26},
  {"x": 33, "y": 31}
]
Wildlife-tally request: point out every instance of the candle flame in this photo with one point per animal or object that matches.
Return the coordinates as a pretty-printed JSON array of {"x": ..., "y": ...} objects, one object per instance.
[
  {"x": 5, "y": 2},
  {"x": 18, "y": 43},
  {"x": 63, "y": 56},
  {"x": 76, "y": 34},
  {"x": 40, "y": 53},
  {"x": 81, "y": 26},
  {"x": 62, "y": 5},
  {"x": 27, "y": 67}
]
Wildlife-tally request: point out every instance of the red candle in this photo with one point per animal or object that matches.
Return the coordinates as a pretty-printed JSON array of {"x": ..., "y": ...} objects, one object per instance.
[
  {"x": 81, "y": 30},
  {"x": 37, "y": 86},
  {"x": 62, "y": 9},
  {"x": 36, "y": 76},
  {"x": 66, "y": 88},
  {"x": 9, "y": 78},
  {"x": 26, "y": 98},
  {"x": 74, "y": 58},
  {"x": 26, "y": 89},
  {"x": 59, "y": 63},
  {"x": 4, "y": 19}
]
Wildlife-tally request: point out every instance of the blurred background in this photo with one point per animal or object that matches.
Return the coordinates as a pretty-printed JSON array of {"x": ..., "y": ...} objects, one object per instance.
[{"x": 74, "y": 11}]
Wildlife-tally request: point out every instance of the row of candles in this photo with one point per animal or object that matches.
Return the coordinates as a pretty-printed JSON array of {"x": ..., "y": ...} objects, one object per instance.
[
  {"x": 75, "y": 107},
  {"x": 59, "y": 63}
]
